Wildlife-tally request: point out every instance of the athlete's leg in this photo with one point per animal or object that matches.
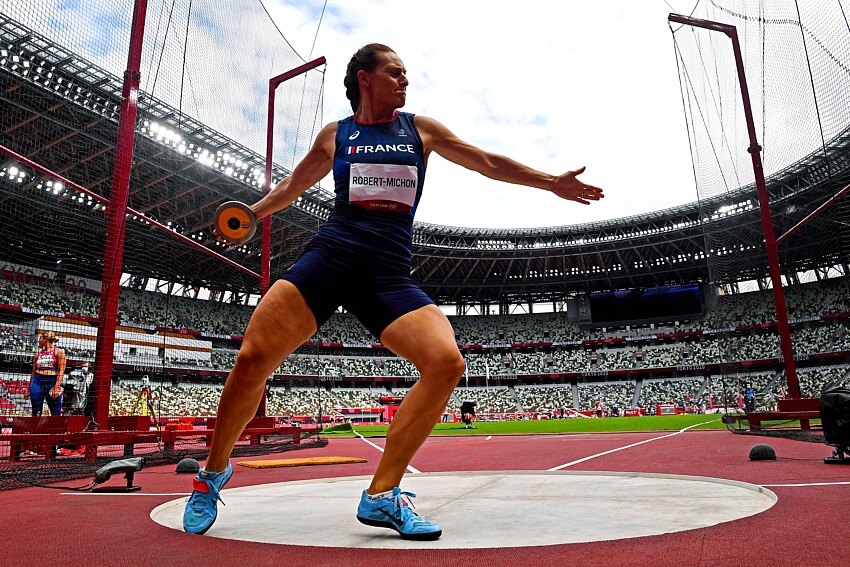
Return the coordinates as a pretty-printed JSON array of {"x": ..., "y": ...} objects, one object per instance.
[
  {"x": 425, "y": 338},
  {"x": 54, "y": 404},
  {"x": 37, "y": 395},
  {"x": 281, "y": 323}
]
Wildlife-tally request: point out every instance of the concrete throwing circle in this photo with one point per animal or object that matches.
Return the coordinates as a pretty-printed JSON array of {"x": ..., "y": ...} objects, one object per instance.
[{"x": 484, "y": 509}]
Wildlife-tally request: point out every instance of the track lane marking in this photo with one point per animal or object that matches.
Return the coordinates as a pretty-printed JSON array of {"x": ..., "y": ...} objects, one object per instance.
[
  {"x": 122, "y": 494},
  {"x": 410, "y": 468},
  {"x": 565, "y": 465}
]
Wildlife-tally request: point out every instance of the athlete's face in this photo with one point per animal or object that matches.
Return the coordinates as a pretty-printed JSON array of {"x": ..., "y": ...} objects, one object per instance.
[{"x": 389, "y": 79}]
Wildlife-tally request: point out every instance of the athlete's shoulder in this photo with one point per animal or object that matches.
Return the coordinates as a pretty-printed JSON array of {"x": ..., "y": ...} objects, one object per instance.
[
  {"x": 432, "y": 132},
  {"x": 326, "y": 137},
  {"x": 426, "y": 122},
  {"x": 329, "y": 129}
]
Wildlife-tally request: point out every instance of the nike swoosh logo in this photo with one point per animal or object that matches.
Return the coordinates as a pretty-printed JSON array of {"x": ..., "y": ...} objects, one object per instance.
[{"x": 397, "y": 523}]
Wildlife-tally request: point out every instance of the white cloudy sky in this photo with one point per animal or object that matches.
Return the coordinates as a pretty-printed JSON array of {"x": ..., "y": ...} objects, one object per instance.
[{"x": 553, "y": 84}]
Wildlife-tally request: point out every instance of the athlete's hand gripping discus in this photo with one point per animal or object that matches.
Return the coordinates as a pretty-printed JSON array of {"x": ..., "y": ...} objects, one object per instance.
[{"x": 234, "y": 222}]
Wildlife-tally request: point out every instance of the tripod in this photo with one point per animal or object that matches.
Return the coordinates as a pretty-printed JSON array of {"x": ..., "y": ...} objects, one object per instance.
[{"x": 144, "y": 406}]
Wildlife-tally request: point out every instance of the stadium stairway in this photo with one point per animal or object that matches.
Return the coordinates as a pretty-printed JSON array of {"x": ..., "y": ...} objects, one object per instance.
[
  {"x": 843, "y": 380},
  {"x": 701, "y": 392},
  {"x": 515, "y": 398},
  {"x": 636, "y": 397},
  {"x": 776, "y": 381}
]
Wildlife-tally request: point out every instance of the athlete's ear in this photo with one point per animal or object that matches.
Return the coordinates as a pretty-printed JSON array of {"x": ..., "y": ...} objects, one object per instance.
[{"x": 363, "y": 78}]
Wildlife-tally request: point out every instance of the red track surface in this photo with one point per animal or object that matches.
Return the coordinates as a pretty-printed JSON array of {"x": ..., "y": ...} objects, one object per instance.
[{"x": 808, "y": 525}]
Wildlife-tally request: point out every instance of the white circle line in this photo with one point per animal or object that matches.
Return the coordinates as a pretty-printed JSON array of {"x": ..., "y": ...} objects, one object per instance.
[
  {"x": 842, "y": 483},
  {"x": 244, "y": 525}
]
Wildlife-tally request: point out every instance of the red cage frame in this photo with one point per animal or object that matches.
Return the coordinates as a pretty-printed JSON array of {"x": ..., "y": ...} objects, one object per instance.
[
  {"x": 44, "y": 430},
  {"x": 274, "y": 83},
  {"x": 764, "y": 203}
]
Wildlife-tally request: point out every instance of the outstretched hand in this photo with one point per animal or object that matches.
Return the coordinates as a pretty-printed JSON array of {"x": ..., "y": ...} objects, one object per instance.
[{"x": 567, "y": 186}]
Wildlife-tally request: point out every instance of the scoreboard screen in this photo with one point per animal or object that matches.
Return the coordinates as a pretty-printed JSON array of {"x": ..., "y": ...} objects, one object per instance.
[{"x": 647, "y": 304}]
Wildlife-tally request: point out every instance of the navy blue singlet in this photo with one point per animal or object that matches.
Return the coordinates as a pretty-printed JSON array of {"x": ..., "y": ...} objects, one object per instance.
[
  {"x": 361, "y": 257},
  {"x": 379, "y": 171}
]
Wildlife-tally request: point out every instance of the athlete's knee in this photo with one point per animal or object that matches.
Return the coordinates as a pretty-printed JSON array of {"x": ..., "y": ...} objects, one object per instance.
[
  {"x": 458, "y": 365},
  {"x": 252, "y": 361},
  {"x": 448, "y": 366}
]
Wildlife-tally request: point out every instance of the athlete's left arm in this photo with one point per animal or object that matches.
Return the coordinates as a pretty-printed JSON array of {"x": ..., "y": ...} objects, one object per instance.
[
  {"x": 60, "y": 365},
  {"x": 438, "y": 138}
]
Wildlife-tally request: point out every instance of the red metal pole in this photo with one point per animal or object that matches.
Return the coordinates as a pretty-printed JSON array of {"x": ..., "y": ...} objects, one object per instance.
[
  {"x": 40, "y": 168},
  {"x": 764, "y": 202},
  {"x": 113, "y": 255},
  {"x": 294, "y": 72},
  {"x": 265, "y": 272},
  {"x": 265, "y": 256},
  {"x": 813, "y": 214},
  {"x": 265, "y": 259}
]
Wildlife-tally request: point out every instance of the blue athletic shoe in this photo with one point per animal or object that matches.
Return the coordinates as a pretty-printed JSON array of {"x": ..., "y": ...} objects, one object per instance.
[
  {"x": 396, "y": 513},
  {"x": 201, "y": 508}
]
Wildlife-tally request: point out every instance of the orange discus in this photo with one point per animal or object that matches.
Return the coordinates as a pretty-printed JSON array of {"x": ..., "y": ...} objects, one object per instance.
[{"x": 235, "y": 222}]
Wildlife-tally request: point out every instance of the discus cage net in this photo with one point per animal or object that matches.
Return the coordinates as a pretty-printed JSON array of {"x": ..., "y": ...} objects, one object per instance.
[
  {"x": 796, "y": 59},
  {"x": 184, "y": 299}
]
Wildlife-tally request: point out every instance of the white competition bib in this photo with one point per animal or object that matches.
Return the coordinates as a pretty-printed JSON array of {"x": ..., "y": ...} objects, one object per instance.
[{"x": 382, "y": 186}]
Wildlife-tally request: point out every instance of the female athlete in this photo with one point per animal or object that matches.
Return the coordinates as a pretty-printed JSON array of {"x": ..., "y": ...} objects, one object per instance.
[
  {"x": 47, "y": 371},
  {"x": 360, "y": 259}
]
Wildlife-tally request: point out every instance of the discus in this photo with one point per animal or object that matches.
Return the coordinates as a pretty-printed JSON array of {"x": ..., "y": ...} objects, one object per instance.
[{"x": 235, "y": 222}]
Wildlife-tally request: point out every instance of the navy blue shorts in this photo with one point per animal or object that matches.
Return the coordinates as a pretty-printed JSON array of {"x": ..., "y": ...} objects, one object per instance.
[
  {"x": 40, "y": 387},
  {"x": 363, "y": 286}
]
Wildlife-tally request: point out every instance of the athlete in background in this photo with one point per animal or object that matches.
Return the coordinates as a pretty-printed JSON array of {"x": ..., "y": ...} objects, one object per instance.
[
  {"x": 46, "y": 379},
  {"x": 360, "y": 259}
]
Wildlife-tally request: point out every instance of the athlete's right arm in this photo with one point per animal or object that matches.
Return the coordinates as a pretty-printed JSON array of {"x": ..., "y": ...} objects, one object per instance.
[
  {"x": 32, "y": 376},
  {"x": 309, "y": 171}
]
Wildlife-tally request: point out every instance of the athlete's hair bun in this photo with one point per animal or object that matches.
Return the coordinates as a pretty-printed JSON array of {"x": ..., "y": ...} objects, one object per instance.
[{"x": 50, "y": 336}]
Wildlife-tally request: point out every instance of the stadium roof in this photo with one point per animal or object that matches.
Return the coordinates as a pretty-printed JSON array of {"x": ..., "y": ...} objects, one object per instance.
[{"x": 61, "y": 111}]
